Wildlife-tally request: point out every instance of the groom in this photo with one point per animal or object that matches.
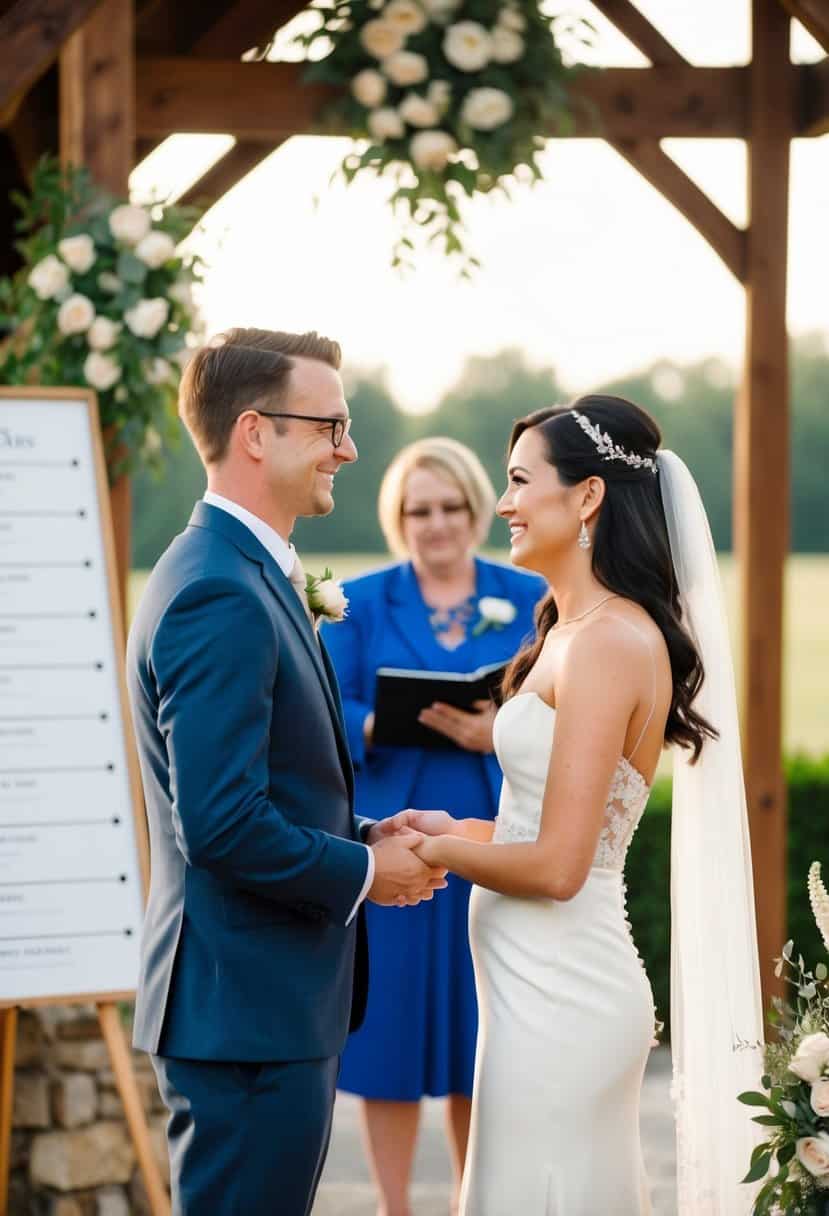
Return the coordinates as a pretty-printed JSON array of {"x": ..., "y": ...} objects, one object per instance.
[{"x": 248, "y": 979}]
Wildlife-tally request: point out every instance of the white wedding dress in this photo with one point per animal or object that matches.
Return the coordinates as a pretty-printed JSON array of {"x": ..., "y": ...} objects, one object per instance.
[{"x": 566, "y": 1012}]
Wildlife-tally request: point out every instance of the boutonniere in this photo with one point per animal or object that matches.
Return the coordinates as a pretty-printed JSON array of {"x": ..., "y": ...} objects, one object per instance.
[
  {"x": 495, "y": 614},
  {"x": 325, "y": 597}
]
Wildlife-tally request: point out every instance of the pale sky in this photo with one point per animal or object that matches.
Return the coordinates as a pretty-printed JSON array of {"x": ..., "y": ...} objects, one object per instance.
[{"x": 592, "y": 271}]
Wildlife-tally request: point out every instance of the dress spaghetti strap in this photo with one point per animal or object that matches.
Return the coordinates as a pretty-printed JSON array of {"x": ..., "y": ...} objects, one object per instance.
[{"x": 647, "y": 646}]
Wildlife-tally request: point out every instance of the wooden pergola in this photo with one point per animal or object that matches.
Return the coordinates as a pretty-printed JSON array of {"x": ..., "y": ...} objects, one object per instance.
[{"x": 104, "y": 81}]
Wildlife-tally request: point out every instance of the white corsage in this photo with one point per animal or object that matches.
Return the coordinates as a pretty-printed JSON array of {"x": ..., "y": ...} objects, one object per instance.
[
  {"x": 495, "y": 613},
  {"x": 325, "y": 597}
]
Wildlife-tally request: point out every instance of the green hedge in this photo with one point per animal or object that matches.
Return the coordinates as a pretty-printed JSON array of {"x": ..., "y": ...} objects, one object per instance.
[{"x": 648, "y": 872}]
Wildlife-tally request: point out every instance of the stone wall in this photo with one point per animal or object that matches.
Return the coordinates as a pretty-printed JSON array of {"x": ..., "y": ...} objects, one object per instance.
[{"x": 71, "y": 1152}]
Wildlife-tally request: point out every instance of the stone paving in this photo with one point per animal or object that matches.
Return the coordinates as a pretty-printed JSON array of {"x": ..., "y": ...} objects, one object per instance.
[{"x": 346, "y": 1188}]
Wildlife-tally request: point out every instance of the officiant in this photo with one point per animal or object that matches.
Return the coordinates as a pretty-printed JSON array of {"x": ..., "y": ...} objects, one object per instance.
[{"x": 440, "y": 608}]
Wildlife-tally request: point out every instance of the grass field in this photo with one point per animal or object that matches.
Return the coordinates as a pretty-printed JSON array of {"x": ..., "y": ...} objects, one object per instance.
[{"x": 806, "y": 710}]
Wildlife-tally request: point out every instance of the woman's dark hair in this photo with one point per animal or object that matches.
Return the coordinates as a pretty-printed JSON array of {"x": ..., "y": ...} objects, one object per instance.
[{"x": 631, "y": 551}]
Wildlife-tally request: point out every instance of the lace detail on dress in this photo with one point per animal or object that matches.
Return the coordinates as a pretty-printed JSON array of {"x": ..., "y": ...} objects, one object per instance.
[
  {"x": 625, "y": 804},
  {"x": 507, "y": 831}
]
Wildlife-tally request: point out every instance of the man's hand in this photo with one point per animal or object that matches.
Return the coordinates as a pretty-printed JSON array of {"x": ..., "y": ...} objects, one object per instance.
[
  {"x": 430, "y": 823},
  {"x": 399, "y": 876},
  {"x": 471, "y": 731}
]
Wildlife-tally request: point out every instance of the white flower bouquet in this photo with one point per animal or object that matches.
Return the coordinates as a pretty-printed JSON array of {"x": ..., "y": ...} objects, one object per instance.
[
  {"x": 103, "y": 300},
  {"x": 794, "y": 1158},
  {"x": 452, "y": 97}
]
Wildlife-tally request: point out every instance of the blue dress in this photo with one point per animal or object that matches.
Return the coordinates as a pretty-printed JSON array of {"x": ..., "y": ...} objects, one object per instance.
[{"x": 419, "y": 1032}]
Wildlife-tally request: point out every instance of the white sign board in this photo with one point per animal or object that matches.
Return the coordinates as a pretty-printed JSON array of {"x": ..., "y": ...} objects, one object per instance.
[{"x": 72, "y": 844}]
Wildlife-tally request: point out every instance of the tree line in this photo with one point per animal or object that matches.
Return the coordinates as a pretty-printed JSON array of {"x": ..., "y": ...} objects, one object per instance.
[{"x": 693, "y": 404}]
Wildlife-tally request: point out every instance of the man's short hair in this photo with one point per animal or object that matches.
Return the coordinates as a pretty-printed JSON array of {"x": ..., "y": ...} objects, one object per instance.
[{"x": 237, "y": 371}]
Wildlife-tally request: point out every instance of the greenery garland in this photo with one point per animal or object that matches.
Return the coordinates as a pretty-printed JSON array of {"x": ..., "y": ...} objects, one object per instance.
[
  {"x": 103, "y": 301},
  {"x": 451, "y": 97}
]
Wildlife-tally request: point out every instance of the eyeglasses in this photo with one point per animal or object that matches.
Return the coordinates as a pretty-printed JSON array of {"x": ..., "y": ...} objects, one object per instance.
[
  {"x": 449, "y": 509},
  {"x": 339, "y": 426}
]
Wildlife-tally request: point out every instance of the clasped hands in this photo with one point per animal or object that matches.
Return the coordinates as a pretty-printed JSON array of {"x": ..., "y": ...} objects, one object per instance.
[{"x": 405, "y": 870}]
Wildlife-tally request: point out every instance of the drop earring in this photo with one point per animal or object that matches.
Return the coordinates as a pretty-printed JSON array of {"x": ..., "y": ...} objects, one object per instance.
[{"x": 584, "y": 536}]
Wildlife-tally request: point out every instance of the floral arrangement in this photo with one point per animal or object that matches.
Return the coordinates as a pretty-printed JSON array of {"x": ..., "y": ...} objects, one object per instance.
[
  {"x": 326, "y": 598},
  {"x": 103, "y": 300},
  {"x": 794, "y": 1159},
  {"x": 452, "y": 96}
]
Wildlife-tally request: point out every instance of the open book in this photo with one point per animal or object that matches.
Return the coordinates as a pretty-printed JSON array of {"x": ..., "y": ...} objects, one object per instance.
[{"x": 401, "y": 694}]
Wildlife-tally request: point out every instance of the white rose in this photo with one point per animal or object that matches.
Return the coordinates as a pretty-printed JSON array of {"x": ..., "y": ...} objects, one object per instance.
[
  {"x": 157, "y": 371},
  {"x": 500, "y": 612},
  {"x": 48, "y": 278},
  {"x": 385, "y": 124},
  {"x": 121, "y": 393},
  {"x": 129, "y": 224},
  {"x": 405, "y": 67},
  {"x": 432, "y": 149},
  {"x": 511, "y": 19},
  {"x": 146, "y": 319},
  {"x": 507, "y": 46},
  {"x": 813, "y": 1154},
  {"x": 78, "y": 252},
  {"x": 155, "y": 249},
  {"x": 102, "y": 333},
  {"x": 440, "y": 10},
  {"x": 381, "y": 39},
  {"x": 329, "y": 599},
  {"x": 369, "y": 87},
  {"x": 486, "y": 109},
  {"x": 811, "y": 1057},
  {"x": 439, "y": 94},
  {"x": 182, "y": 292},
  {"x": 405, "y": 15},
  {"x": 820, "y": 1097},
  {"x": 76, "y": 314},
  {"x": 467, "y": 46},
  {"x": 417, "y": 111},
  {"x": 101, "y": 371},
  {"x": 182, "y": 357},
  {"x": 109, "y": 282}
]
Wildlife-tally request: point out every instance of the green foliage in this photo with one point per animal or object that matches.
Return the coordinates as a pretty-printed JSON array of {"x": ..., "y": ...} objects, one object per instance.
[
  {"x": 476, "y": 160},
  {"x": 480, "y": 409},
  {"x": 648, "y": 868},
  {"x": 137, "y": 372}
]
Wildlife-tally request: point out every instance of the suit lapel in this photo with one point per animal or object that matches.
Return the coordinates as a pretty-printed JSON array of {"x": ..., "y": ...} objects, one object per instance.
[
  {"x": 409, "y": 616},
  {"x": 217, "y": 520}
]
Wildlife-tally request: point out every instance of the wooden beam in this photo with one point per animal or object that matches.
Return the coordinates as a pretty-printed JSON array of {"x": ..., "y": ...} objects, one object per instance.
[
  {"x": 726, "y": 239},
  {"x": 31, "y": 34},
  {"x": 761, "y": 490},
  {"x": 813, "y": 108},
  {"x": 97, "y": 129},
  {"x": 268, "y": 101},
  {"x": 631, "y": 22},
  {"x": 97, "y": 96},
  {"x": 814, "y": 15},
  {"x": 227, "y": 172}
]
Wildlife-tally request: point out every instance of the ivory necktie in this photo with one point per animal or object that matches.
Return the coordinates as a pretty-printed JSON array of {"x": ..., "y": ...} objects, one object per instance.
[{"x": 297, "y": 581}]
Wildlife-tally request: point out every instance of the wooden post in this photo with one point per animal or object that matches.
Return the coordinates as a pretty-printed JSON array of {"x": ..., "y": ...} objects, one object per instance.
[
  {"x": 97, "y": 129},
  {"x": 761, "y": 491},
  {"x": 134, "y": 1111},
  {"x": 8, "y": 1031}
]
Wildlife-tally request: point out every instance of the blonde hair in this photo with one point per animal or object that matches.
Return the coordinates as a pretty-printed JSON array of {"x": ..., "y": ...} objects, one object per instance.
[{"x": 449, "y": 459}]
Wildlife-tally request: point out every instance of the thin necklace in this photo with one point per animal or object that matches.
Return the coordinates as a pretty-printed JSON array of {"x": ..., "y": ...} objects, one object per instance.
[{"x": 581, "y": 615}]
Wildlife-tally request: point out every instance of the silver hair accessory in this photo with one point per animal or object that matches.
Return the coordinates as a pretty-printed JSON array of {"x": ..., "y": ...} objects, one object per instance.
[{"x": 606, "y": 447}]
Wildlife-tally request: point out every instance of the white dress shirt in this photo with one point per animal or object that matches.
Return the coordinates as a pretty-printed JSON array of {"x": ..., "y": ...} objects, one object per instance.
[{"x": 284, "y": 554}]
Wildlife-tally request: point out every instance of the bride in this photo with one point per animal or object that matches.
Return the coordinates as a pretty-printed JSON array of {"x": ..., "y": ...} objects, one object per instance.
[{"x": 631, "y": 654}]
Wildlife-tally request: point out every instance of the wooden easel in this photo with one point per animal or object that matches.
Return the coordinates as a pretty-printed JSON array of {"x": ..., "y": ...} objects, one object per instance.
[
  {"x": 127, "y": 1088},
  {"x": 105, "y": 1002}
]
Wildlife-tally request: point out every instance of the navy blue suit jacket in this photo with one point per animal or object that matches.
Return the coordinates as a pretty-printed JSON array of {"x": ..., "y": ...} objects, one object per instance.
[
  {"x": 255, "y": 858},
  {"x": 387, "y": 626}
]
